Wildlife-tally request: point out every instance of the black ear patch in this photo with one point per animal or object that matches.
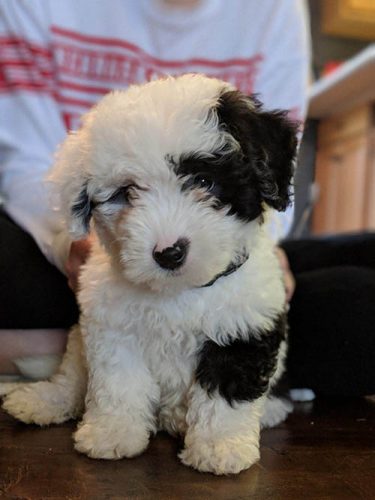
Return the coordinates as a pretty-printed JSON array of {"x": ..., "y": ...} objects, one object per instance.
[
  {"x": 268, "y": 141},
  {"x": 81, "y": 210}
]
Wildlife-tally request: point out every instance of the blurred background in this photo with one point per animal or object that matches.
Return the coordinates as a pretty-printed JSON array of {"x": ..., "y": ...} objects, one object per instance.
[{"x": 335, "y": 184}]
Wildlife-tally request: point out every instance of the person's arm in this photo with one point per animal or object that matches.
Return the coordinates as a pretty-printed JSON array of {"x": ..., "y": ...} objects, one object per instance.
[
  {"x": 283, "y": 79},
  {"x": 31, "y": 124}
]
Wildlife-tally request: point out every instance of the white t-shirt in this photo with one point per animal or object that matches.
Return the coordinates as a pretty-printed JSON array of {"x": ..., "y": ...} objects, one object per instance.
[{"x": 58, "y": 58}]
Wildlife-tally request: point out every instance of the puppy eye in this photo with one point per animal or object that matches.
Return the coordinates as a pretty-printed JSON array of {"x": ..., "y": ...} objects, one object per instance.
[
  {"x": 198, "y": 181},
  {"x": 123, "y": 194},
  {"x": 206, "y": 183},
  {"x": 203, "y": 182}
]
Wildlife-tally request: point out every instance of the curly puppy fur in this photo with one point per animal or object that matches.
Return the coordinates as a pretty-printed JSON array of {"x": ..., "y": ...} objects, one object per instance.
[{"x": 182, "y": 300}]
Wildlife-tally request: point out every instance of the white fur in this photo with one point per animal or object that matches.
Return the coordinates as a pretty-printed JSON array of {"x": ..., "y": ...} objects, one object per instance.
[
  {"x": 56, "y": 400},
  {"x": 220, "y": 438},
  {"x": 141, "y": 326}
]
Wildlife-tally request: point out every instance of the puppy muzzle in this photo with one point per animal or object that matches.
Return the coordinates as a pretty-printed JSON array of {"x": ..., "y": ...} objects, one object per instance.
[{"x": 172, "y": 257}]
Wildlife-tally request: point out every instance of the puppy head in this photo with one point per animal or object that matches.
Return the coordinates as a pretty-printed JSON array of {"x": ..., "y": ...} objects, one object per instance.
[{"x": 176, "y": 175}]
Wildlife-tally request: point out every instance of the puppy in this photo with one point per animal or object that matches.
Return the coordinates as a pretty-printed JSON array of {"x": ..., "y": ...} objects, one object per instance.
[{"x": 183, "y": 324}]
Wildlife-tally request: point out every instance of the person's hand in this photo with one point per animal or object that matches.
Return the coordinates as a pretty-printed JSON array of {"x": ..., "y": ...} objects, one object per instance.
[
  {"x": 289, "y": 281},
  {"x": 78, "y": 253}
]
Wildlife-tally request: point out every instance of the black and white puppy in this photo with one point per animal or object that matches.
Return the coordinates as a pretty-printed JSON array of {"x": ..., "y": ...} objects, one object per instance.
[{"x": 183, "y": 306}]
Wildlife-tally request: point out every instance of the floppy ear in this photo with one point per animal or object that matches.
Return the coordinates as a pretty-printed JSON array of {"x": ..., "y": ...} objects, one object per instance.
[
  {"x": 80, "y": 213},
  {"x": 69, "y": 178},
  {"x": 268, "y": 141}
]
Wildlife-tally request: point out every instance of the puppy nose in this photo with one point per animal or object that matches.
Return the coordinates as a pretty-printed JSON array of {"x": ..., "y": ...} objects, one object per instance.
[{"x": 174, "y": 256}]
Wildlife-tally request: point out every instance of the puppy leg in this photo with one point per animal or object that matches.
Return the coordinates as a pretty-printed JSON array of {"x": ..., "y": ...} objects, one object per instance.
[
  {"x": 55, "y": 400},
  {"x": 119, "y": 404},
  {"x": 172, "y": 418},
  {"x": 222, "y": 439},
  {"x": 276, "y": 409}
]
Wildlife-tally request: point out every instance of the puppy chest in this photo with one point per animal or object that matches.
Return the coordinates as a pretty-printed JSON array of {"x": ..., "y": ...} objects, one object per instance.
[{"x": 171, "y": 356}]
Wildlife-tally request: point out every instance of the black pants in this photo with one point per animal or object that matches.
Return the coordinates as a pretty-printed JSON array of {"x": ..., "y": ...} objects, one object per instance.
[
  {"x": 33, "y": 293},
  {"x": 332, "y": 313}
]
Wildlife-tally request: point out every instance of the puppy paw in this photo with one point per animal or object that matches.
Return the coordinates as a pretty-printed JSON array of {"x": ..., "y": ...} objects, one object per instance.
[
  {"x": 107, "y": 437},
  {"x": 40, "y": 403},
  {"x": 275, "y": 411},
  {"x": 8, "y": 387},
  {"x": 220, "y": 457}
]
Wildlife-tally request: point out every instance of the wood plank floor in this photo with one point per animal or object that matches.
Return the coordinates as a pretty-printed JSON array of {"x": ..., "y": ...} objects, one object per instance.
[{"x": 325, "y": 450}]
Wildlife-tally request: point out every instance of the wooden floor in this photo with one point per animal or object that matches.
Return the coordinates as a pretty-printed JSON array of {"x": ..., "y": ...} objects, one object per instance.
[{"x": 323, "y": 451}]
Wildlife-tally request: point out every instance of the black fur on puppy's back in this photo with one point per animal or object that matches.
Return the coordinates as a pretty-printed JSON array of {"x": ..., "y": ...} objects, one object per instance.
[{"x": 241, "y": 370}]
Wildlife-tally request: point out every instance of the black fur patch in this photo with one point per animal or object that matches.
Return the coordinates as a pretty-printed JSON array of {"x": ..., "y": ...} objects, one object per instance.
[
  {"x": 235, "y": 183},
  {"x": 268, "y": 141},
  {"x": 260, "y": 171},
  {"x": 241, "y": 370},
  {"x": 82, "y": 208}
]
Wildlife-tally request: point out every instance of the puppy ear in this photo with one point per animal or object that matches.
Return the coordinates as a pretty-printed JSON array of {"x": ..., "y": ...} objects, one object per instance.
[
  {"x": 69, "y": 178},
  {"x": 268, "y": 141},
  {"x": 80, "y": 212},
  {"x": 275, "y": 164}
]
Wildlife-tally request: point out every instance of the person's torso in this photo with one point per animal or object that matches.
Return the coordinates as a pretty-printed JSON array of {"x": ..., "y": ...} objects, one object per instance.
[{"x": 115, "y": 44}]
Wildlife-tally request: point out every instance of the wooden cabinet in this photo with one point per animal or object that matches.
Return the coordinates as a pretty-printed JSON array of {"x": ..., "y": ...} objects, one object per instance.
[
  {"x": 343, "y": 103},
  {"x": 349, "y": 18},
  {"x": 345, "y": 173},
  {"x": 370, "y": 184}
]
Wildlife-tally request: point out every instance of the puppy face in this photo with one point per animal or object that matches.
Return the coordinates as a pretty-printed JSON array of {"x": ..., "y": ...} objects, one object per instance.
[{"x": 175, "y": 175}]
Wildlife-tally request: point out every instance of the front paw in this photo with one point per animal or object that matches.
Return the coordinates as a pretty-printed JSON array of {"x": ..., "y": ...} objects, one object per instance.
[
  {"x": 110, "y": 438},
  {"x": 222, "y": 456},
  {"x": 8, "y": 387},
  {"x": 40, "y": 403}
]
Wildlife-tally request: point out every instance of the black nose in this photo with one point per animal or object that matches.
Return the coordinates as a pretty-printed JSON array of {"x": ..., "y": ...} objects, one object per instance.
[{"x": 172, "y": 257}]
